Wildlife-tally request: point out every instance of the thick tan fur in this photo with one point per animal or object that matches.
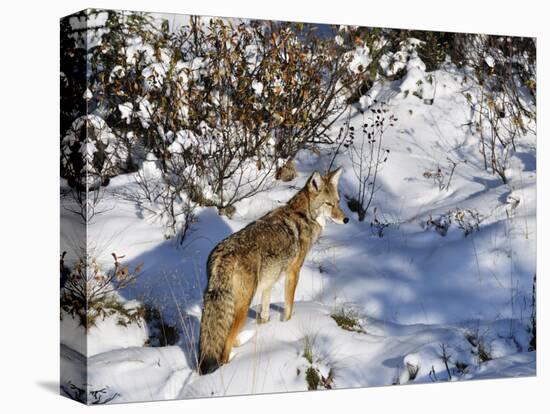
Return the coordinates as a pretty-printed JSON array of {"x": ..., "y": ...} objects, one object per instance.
[{"x": 255, "y": 257}]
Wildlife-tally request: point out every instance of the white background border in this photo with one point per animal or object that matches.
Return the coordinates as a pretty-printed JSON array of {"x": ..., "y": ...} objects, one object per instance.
[{"x": 29, "y": 207}]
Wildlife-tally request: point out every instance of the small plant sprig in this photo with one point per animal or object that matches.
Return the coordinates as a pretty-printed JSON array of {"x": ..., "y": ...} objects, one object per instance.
[
  {"x": 379, "y": 224},
  {"x": 348, "y": 319},
  {"x": 446, "y": 357},
  {"x": 315, "y": 379},
  {"x": 96, "y": 397},
  {"x": 368, "y": 156},
  {"x": 343, "y": 141},
  {"x": 467, "y": 220},
  {"x": 314, "y": 376},
  {"x": 441, "y": 178},
  {"x": 479, "y": 347}
]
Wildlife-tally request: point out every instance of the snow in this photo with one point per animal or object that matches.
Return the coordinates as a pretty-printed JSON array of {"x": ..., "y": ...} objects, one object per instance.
[
  {"x": 258, "y": 87},
  {"x": 107, "y": 336},
  {"x": 88, "y": 94},
  {"x": 146, "y": 109},
  {"x": 418, "y": 292},
  {"x": 117, "y": 73},
  {"x": 490, "y": 61},
  {"x": 360, "y": 60},
  {"x": 126, "y": 109},
  {"x": 271, "y": 359},
  {"x": 150, "y": 167}
]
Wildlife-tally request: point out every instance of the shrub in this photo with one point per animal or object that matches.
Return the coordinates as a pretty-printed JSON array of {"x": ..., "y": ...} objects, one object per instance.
[
  {"x": 500, "y": 70},
  {"x": 480, "y": 348},
  {"x": 98, "y": 396},
  {"x": 312, "y": 378},
  {"x": 314, "y": 371},
  {"x": 315, "y": 379},
  {"x": 379, "y": 223},
  {"x": 504, "y": 69},
  {"x": 72, "y": 74},
  {"x": 220, "y": 105},
  {"x": 467, "y": 220},
  {"x": 90, "y": 153},
  {"x": 348, "y": 319},
  {"x": 367, "y": 158},
  {"x": 222, "y": 108},
  {"x": 90, "y": 294},
  {"x": 308, "y": 349}
]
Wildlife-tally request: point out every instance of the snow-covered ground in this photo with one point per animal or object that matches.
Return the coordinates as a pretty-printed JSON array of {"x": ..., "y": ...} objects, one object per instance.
[
  {"x": 272, "y": 358},
  {"x": 431, "y": 307}
]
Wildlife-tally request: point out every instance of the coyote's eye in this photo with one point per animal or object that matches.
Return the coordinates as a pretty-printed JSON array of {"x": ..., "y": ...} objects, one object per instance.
[{"x": 329, "y": 204}]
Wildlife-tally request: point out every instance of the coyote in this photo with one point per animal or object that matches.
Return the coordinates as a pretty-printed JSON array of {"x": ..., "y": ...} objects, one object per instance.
[{"x": 255, "y": 257}]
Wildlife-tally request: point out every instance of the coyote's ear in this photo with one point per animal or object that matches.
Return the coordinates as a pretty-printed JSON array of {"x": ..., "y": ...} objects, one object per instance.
[
  {"x": 334, "y": 176},
  {"x": 315, "y": 182}
]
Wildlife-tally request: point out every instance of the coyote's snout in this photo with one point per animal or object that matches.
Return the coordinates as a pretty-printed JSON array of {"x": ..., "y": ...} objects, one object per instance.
[{"x": 255, "y": 257}]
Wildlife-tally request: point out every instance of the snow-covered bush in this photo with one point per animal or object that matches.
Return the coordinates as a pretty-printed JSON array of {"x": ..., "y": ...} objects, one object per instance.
[
  {"x": 90, "y": 153},
  {"x": 222, "y": 106},
  {"x": 348, "y": 318},
  {"x": 72, "y": 72},
  {"x": 90, "y": 294},
  {"x": 389, "y": 52},
  {"x": 467, "y": 220},
  {"x": 479, "y": 344},
  {"x": 500, "y": 70},
  {"x": 504, "y": 99},
  {"x": 317, "y": 374}
]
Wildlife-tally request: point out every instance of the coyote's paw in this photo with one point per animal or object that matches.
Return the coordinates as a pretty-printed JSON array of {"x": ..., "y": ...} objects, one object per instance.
[{"x": 260, "y": 320}]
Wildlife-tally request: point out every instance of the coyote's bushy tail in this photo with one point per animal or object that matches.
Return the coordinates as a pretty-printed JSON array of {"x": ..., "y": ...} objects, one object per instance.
[{"x": 217, "y": 318}]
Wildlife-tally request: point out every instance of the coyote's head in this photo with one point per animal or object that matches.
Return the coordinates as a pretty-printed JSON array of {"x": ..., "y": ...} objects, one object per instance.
[{"x": 324, "y": 198}]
